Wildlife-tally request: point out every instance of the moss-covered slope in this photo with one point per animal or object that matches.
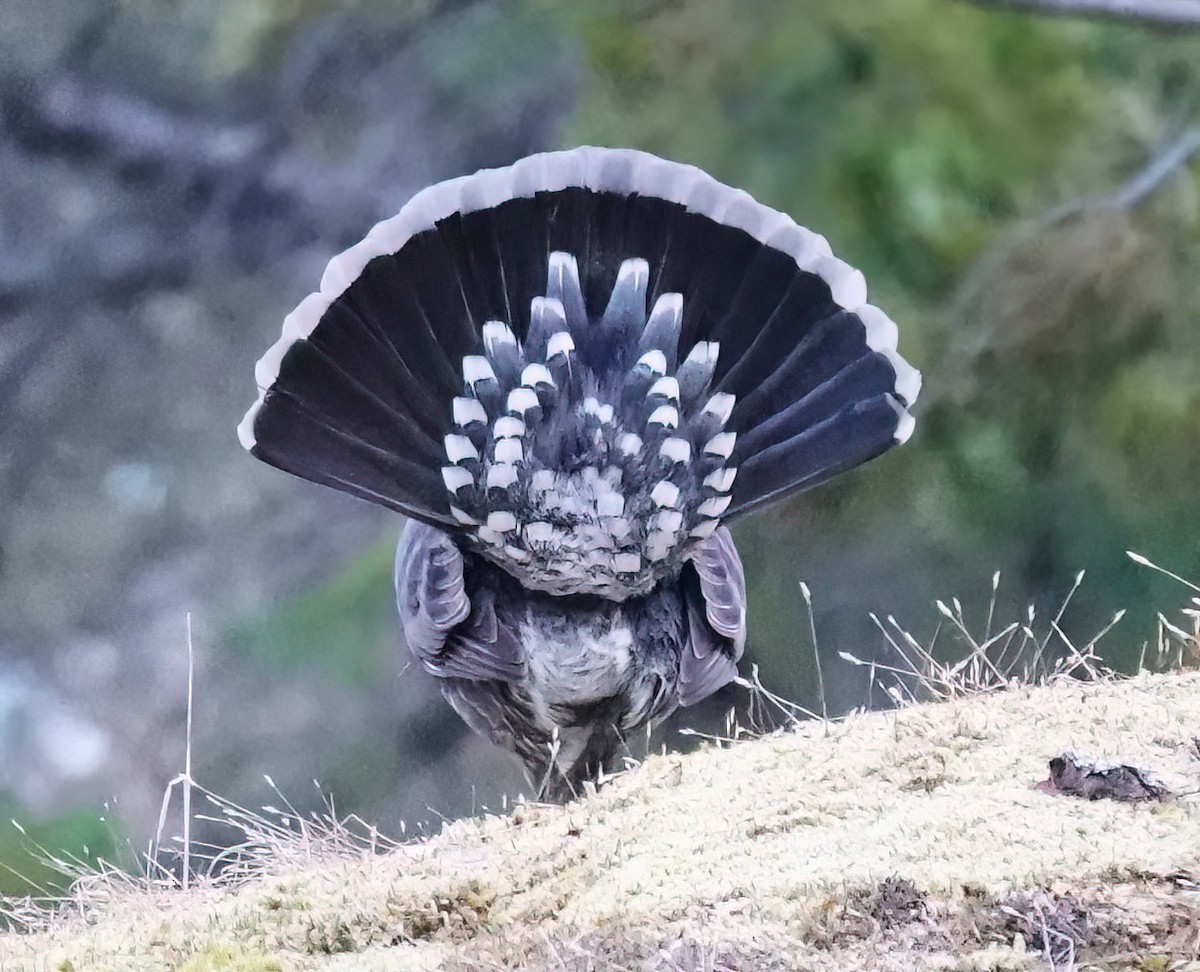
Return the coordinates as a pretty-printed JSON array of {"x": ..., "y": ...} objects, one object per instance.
[{"x": 901, "y": 840}]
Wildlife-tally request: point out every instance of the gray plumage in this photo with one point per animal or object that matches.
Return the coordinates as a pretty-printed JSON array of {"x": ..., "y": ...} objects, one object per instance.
[
  {"x": 584, "y": 472},
  {"x": 586, "y": 486},
  {"x": 570, "y": 374}
]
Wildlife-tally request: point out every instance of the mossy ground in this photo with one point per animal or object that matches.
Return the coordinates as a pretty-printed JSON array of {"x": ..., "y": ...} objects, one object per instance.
[{"x": 902, "y": 840}]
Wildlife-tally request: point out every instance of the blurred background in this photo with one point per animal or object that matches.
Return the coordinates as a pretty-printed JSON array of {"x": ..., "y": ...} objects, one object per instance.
[{"x": 1021, "y": 192}]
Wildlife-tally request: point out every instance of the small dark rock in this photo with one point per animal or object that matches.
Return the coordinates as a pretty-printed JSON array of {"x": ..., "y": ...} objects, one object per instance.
[{"x": 1073, "y": 774}]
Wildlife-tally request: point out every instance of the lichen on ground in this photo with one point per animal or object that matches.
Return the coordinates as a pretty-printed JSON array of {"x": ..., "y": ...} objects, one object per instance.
[{"x": 912, "y": 839}]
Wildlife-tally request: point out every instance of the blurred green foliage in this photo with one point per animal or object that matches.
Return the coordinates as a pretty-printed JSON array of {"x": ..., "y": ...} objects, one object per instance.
[
  {"x": 81, "y": 837},
  {"x": 908, "y": 130},
  {"x": 931, "y": 141}
]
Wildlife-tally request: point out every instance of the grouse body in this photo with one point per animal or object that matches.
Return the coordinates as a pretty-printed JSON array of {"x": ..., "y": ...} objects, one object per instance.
[{"x": 570, "y": 374}]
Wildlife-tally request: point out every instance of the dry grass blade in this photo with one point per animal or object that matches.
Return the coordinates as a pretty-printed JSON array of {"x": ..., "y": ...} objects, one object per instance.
[
  {"x": 1138, "y": 558},
  {"x": 1175, "y": 645},
  {"x": 990, "y": 661},
  {"x": 260, "y": 842},
  {"x": 767, "y": 711}
]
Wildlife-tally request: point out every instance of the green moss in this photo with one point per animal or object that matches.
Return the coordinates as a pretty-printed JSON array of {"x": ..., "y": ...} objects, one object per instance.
[
  {"x": 332, "y": 937},
  {"x": 231, "y": 958},
  {"x": 462, "y": 910}
]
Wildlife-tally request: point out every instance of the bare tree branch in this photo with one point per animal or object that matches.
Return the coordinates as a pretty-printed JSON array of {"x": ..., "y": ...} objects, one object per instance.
[
  {"x": 1174, "y": 157},
  {"x": 242, "y": 165},
  {"x": 1140, "y": 187},
  {"x": 1171, "y": 13},
  {"x": 1127, "y": 196}
]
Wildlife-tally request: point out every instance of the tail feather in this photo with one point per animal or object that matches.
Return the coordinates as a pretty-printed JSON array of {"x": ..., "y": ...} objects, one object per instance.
[
  {"x": 563, "y": 285},
  {"x": 855, "y": 382},
  {"x": 423, "y": 347},
  {"x": 804, "y": 303},
  {"x": 761, "y": 295},
  {"x": 311, "y": 446},
  {"x": 584, "y": 363},
  {"x": 859, "y": 432},
  {"x": 829, "y": 345},
  {"x": 661, "y": 332},
  {"x": 337, "y": 364},
  {"x": 624, "y": 319}
]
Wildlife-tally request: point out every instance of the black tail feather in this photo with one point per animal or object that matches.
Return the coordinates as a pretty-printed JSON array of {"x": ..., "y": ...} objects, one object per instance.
[
  {"x": 804, "y": 303},
  {"x": 856, "y": 434},
  {"x": 827, "y": 347},
  {"x": 336, "y": 364},
  {"x": 311, "y": 446},
  {"x": 358, "y": 393},
  {"x": 855, "y": 382}
]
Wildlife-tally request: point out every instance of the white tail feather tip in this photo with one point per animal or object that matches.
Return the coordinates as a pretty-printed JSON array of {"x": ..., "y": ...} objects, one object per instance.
[
  {"x": 667, "y": 386},
  {"x": 633, "y": 273},
  {"x": 704, "y": 353},
  {"x": 455, "y": 478},
  {"x": 521, "y": 400},
  {"x": 721, "y": 444},
  {"x": 560, "y": 343},
  {"x": 539, "y": 532},
  {"x": 655, "y": 360},
  {"x": 610, "y": 504},
  {"x": 721, "y": 405},
  {"x": 509, "y": 426},
  {"x": 497, "y": 333},
  {"x": 535, "y": 374},
  {"x": 668, "y": 521},
  {"x": 468, "y": 411},
  {"x": 627, "y": 563},
  {"x": 501, "y": 475},
  {"x": 553, "y": 312},
  {"x": 563, "y": 273},
  {"x": 509, "y": 450},
  {"x": 629, "y": 444},
  {"x": 477, "y": 368},
  {"x": 665, "y": 494},
  {"x": 501, "y": 521},
  {"x": 666, "y": 415},
  {"x": 460, "y": 448},
  {"x": 721, "y": 479},
  {"x": 668, "y": 306},
  {"x": 676, "y": 449},
  {"x": 714, "y": 506},
  {"x": 245, "y": 429}
]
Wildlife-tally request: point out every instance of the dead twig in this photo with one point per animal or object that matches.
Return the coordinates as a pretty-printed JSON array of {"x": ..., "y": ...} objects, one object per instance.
[{"x": 1169, "y": 13}]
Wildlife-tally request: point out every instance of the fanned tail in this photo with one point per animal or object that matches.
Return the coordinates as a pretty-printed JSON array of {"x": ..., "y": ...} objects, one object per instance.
[{"x": 582, "y": 364}]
